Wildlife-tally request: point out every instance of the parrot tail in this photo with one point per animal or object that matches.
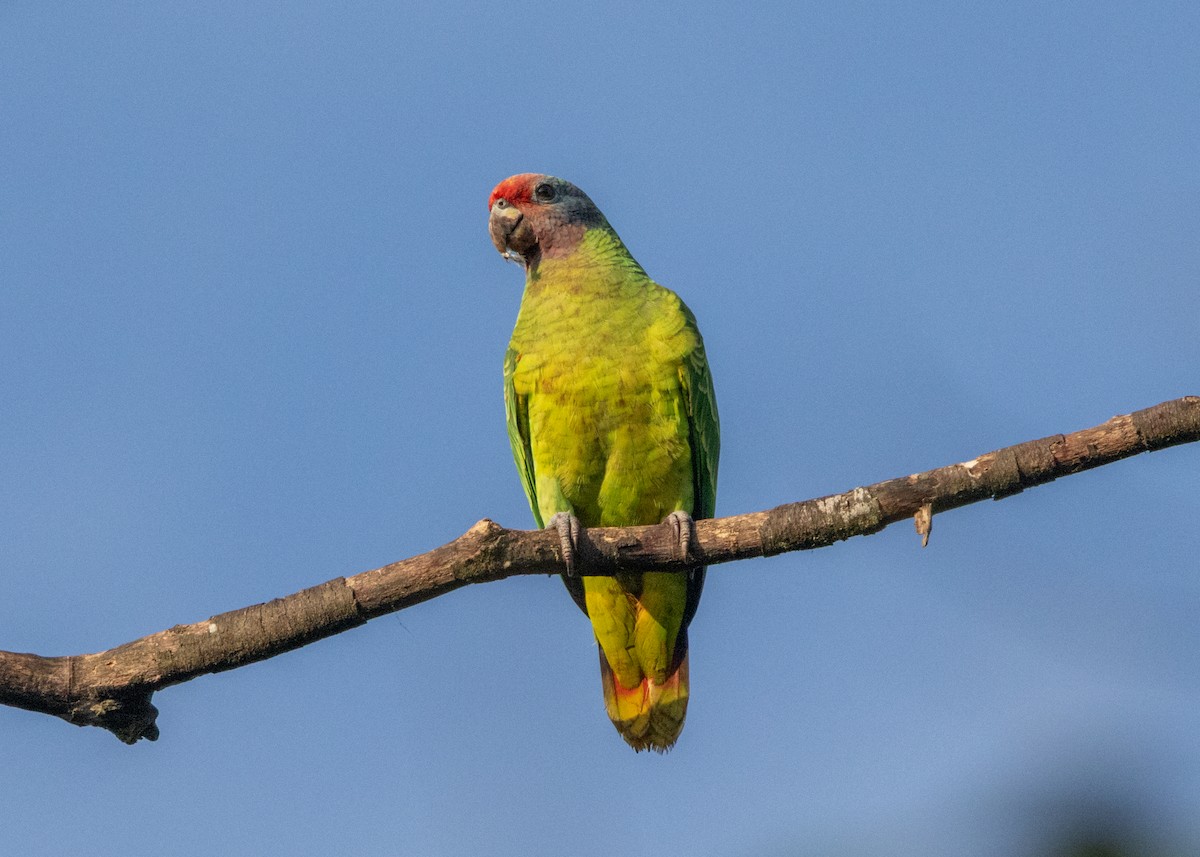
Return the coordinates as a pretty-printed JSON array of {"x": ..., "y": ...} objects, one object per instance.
[{"x": 649, "y": 716}]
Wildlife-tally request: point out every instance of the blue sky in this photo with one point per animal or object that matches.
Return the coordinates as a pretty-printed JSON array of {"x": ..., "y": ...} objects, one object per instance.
[{"x": 251, "y": 332}]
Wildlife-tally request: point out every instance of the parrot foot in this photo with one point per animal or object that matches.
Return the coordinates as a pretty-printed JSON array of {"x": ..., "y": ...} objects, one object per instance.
[
  {"x": 685, "y": 531},
  {"x": 569, "y": 529}
]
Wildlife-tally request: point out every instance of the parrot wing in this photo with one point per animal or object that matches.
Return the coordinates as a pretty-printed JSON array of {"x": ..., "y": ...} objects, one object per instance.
[
  {"x": 704, "y": 430},
  {"x": 516, "y": 412}
]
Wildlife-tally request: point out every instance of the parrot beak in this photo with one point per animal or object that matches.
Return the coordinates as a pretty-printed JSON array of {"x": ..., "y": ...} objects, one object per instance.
[{"x": 511, "y": 232}]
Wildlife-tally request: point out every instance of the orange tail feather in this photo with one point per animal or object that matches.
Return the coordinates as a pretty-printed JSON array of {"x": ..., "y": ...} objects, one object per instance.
[{"x": 649, "y": 716}]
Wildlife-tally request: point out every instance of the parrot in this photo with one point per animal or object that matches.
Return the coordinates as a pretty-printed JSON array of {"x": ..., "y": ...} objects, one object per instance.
[{"x": 613, "y": 421}]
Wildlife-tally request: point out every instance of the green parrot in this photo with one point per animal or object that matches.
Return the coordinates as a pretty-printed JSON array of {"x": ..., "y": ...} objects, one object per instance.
[{"x": 613, "y": 422}]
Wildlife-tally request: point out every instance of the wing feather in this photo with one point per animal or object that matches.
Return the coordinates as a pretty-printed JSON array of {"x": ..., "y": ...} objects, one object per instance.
[
  {"x": 516, "y": 412},
  {"x": 704, "y": 435}
]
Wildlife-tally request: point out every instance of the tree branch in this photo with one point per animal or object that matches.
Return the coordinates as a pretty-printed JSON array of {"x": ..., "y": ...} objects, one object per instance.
[{"x": 112, "y": 689}]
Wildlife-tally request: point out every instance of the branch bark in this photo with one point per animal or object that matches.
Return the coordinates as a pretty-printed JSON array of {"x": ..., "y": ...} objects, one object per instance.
[{"x": 113, "y": 689}]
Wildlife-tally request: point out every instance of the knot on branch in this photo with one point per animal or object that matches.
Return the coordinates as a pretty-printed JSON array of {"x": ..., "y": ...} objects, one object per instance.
[
  {"x": 130, "y": 716},
  {"x": 483, "y": 551}
]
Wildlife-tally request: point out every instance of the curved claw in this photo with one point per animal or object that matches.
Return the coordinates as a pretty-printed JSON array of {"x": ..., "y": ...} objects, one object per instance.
[
  {"x": 569, "y": 529},
  {"x": 685, "y": 531}
]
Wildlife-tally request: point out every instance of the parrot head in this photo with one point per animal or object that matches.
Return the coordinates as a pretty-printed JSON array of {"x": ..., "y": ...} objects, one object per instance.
[{"x": 534, "y": 216}]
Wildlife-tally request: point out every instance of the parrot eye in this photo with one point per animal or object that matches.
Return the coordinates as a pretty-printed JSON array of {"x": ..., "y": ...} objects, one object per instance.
[{"x": 544, "y": 192}]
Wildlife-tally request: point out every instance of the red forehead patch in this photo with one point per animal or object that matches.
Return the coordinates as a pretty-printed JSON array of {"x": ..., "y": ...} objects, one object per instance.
[{"x": 515, "y": 188}]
